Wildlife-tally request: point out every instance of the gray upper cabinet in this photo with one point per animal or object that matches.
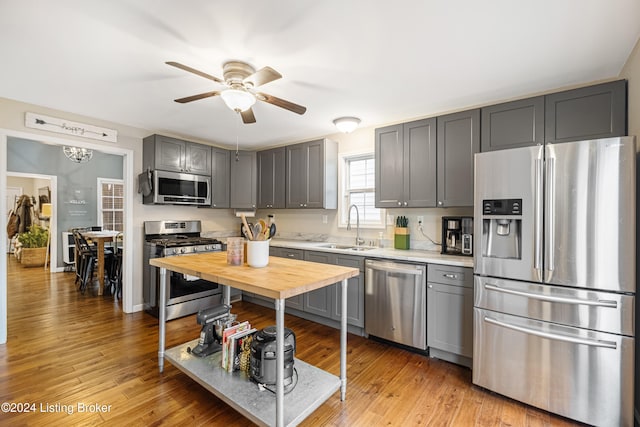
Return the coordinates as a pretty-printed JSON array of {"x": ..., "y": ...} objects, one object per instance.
[
  {"x": 406, "y": 165},
  {"x": 243, "y": 180},
  {"x": 513, "y": 124},
  {"x": 312, "y": 175},
  {"x": 172, "y": 154},
  {"x": 458, "y": 141},
  {"x": 272, "y": 178},
  {"x": 220, "y": 177},
  {"x": 598, "y": 111}
]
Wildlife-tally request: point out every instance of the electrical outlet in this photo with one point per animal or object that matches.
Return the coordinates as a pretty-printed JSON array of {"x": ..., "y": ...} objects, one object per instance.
[
  {"x": 325, "y": 219},
  {"x": 420, "y": 219},
  {"x": 390, "y": 219}
]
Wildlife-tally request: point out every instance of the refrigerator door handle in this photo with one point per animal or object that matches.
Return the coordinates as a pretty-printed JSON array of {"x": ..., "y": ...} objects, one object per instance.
[
  {"x": 537, "y": 221},
  {"x": 550, "y": 298},
  {"x": 550, "y": 216},
  {"x": 551, "y": 336}
]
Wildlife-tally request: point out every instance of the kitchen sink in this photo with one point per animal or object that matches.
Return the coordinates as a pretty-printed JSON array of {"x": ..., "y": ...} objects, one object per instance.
[{"x": 346, "y": 247}]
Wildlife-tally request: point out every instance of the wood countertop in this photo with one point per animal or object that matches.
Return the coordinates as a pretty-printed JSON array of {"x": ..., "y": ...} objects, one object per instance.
[{"x": 282, "y": 278}]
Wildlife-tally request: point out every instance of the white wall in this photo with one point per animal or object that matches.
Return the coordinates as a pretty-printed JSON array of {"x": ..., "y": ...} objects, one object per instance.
[{"x": 631, "y": 72}]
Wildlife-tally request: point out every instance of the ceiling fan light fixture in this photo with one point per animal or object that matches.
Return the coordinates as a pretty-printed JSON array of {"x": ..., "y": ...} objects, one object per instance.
[
  {"x": 346, "y": 124},
  {"x": 238, "y": 99}
]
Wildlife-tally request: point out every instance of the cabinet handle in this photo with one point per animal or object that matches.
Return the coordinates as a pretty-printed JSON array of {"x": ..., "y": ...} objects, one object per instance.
[
  {"x": 440, "y": 203},
  {"x": 431, "y": 286},
  {"x": 451, "y": 276},
  {"x": 399, "y": 203}
]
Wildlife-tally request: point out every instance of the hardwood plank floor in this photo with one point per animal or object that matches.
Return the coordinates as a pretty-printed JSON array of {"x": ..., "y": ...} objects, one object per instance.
[{"x": 66, "y": 350}]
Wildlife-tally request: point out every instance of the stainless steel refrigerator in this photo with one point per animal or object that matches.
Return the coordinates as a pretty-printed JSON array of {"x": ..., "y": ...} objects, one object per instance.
[{"x": 554, "y": 285}]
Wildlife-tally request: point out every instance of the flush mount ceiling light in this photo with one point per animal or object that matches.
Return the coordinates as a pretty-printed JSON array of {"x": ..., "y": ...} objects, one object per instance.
[
  {"x": 77, "y": 154},
  {"x": 346, "y": 124},
  {"x": 238, "y": 99}
]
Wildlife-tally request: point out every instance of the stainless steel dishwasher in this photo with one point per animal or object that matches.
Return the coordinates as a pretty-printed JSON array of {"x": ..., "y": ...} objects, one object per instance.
[{"x": 396, "y": 302}]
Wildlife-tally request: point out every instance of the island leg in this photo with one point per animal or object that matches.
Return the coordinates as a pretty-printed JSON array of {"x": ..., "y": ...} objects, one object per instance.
[
  {"x": 226, "y": 295},
  {"x": 279, "y": 362},
  {"x": 343, "y": 341},
  {"x": 162, "y": 316}
]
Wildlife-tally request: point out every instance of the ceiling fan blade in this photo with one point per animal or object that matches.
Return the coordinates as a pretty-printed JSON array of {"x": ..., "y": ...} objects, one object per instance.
[
  {"x": 196, "y": 97},
  {"x": 263, "y": 76},
  {"x": 194, "y": 71},
  {"x": 247, "y": 116},
  {"x": 287, "y": 105}
]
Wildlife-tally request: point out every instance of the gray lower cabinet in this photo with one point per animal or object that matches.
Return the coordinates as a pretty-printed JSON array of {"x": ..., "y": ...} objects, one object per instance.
[
  {"x": 513, "y": 124},
  {"x": 355, "y": 292},
  {"x": 450, "y": 313},
  {"x": 324, "y": 305},
  {"x": 296, "y": 301},
  {"x": 243, "y": 180},
  {"x": 458, "y": 141},
  {"x": 220, "y": 178},
  {"x": 598, "y": 111},
  {"x": 319, "y": 301},
  {"x": 327, "y": 302}
]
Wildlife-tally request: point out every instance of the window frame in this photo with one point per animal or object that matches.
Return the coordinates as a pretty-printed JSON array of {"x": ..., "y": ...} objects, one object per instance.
[
  {"x": 343, "y": 203},
  {"x": 100, "y": 209}
]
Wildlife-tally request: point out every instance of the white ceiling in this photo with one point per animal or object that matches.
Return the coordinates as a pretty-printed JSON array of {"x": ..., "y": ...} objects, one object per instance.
[{"x": 381, "y": 61}]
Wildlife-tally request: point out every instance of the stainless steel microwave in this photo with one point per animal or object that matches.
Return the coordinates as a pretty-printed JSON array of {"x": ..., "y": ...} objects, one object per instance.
[{"x": 173, "y": 188}]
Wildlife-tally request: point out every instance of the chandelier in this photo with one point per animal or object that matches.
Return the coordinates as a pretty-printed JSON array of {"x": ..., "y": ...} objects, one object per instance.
[{"x": 77, "y": 154}]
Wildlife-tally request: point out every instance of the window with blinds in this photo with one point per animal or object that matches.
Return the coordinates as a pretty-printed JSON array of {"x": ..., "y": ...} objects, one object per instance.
[
  {"x": 111, "y": 204},
  {"x": 359, "y": 189}
]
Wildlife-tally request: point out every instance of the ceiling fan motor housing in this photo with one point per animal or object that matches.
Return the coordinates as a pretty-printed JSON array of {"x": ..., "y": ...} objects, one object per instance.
[{"x": 235, "y": 72}]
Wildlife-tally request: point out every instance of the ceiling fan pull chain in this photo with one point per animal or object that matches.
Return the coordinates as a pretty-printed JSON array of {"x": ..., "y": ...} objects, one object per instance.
[{"x": 237, "y": 154}]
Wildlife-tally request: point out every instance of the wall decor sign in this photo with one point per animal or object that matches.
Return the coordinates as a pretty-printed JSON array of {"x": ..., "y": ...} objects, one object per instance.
[{"x": 53, "y": 124}]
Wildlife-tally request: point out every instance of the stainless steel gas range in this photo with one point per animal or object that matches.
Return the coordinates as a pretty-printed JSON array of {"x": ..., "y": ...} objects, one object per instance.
[{"x": 186, "y": 294}]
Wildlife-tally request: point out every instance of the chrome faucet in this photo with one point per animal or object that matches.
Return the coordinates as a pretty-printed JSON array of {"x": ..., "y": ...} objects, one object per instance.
[{"x": 359, "y": 241}]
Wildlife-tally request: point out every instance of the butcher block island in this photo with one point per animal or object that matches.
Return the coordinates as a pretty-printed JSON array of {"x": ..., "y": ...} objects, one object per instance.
[{"x": 282, "y": 278}]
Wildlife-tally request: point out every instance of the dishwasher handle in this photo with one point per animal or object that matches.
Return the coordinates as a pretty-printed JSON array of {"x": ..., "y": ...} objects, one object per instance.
[{"x": 394, "y": 268}]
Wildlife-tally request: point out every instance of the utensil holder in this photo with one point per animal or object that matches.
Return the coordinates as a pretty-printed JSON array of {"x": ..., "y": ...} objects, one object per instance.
[
  {"x": 401, "y": 238},
  {"x": 258, "y": 253}
]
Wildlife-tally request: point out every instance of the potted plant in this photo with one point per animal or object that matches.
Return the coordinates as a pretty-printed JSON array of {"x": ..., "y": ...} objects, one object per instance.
[{"x": 33, "y": 246}]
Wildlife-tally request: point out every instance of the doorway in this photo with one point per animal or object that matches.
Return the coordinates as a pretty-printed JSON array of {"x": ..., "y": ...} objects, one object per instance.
[
  {"x": 33, "y": 185},
  {"x": 127, "y": 161}
]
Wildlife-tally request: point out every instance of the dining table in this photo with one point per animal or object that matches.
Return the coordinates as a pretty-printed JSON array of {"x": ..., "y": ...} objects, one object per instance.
[{"x": 100, "y": 238}]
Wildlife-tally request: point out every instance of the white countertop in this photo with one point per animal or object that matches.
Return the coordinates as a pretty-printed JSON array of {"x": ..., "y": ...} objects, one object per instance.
[{"x": 414, "y": 255}]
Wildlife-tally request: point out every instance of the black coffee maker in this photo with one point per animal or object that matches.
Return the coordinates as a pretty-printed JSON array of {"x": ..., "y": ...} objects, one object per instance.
[{"x": 457, "y": 235}]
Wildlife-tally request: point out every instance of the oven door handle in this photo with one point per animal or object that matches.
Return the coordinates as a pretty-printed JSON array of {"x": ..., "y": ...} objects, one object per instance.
[
  {"x": 550, "y": 298},
  {"x": 551, "y": 336}
]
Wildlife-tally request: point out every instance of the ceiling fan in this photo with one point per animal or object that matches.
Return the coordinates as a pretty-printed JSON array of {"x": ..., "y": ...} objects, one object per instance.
[{"x": 241, "y": 79}]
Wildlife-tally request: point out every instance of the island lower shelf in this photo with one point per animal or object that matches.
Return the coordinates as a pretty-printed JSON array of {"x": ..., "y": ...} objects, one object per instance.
[{"x": 313, "y": 388}]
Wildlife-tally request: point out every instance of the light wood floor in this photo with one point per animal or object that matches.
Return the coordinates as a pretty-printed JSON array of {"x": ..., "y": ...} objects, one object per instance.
[{"x": 66, "y": 350}]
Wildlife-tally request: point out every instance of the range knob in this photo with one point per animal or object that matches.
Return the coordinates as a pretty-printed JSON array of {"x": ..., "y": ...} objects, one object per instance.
[
  {"x": 182, "y": 250},
  {"x": 195, "y": 249}
]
